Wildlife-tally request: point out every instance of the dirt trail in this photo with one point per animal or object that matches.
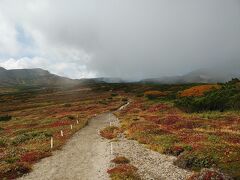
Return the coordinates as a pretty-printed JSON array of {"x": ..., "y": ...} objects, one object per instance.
[{"x": 86, "y": 156}]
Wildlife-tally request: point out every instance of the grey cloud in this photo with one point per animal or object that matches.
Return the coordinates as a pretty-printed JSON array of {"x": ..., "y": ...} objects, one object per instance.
[{"x": 137, "y": 39}]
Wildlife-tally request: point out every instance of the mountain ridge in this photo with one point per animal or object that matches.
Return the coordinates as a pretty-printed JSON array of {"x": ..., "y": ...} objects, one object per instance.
[{"x": 38, "y": 76}]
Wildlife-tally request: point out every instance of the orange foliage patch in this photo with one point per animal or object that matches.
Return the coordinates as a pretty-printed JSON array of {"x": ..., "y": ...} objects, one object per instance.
[{"x": 199, "y": 90}]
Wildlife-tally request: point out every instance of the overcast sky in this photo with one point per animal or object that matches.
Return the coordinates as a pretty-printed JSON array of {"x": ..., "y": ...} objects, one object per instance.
[{"x": 131, "y": 39}]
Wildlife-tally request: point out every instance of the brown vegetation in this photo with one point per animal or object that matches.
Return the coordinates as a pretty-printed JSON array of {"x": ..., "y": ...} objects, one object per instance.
[
  {"x": 198, "y": 90},
  {"x": 109, "y": 132}
]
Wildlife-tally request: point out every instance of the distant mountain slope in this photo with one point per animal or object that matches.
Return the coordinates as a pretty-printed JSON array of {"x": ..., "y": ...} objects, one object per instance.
[
  {"x": 198, "y": 76},
  {"x": 108, "y": 80},
  {"x": 42, "y": 77},
  {"x": 32, "y": 77}
]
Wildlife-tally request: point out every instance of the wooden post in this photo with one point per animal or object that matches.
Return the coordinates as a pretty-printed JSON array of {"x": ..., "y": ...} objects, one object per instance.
[
  {"x": 61, "y": 133},
  {"x": 111, "y": 148},
  {"x": 109, "y": 119},
  {"x": 51, "y": 142},
  {"x": 77, "y": 122},
  {"x": 71, "y": 126}
]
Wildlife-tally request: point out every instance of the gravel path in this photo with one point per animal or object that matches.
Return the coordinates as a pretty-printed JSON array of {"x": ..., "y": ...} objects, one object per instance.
[{"x": 86, "y": 156}]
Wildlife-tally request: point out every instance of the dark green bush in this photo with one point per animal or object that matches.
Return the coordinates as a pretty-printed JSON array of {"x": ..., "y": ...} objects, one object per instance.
[
  {"x": 71, "y": 117},
  {"x": 28, "y": 136},
  {"x": 124, "y": 99},
  {"x": 3, "y": 142},
  {"x": 194, "y": 161},
  {"x": 67, "y": 105},
  {"x": 5, "y": 118},
  {"x": 228, "y": 97}
]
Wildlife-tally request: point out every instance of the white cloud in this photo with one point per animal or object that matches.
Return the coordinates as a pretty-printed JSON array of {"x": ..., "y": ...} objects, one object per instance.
[
  {"x": 8, "y": 43},
  {"x": 124, "y": 38},
  {"x": 64, "y": 68}
]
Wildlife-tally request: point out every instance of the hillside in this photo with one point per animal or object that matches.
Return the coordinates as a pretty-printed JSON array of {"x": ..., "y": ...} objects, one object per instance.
[
  {"x": 197, "y": 76},
  {"x": 32, "y": 77}
]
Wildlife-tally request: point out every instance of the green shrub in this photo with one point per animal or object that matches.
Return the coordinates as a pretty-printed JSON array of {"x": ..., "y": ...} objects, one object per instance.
[
  {"x": 71, "y": 117},
  {"x": 67, "y": 105},
  {"x": 228, "y": 97},
  {"x": 154, "y": 94},
  {"x": 124, "y": 99},
  {"x": 194, "y": 161},
  {"x": 11, "y": 159},
  {"x": 3, "y": 142},
  {"x": 28, "y": 136},
  {"x": 103, "y": 102},
  {"x": 114, "y": 94},
  {"x": 5, "y": 118},
  {"x": 234, "y": 101}
]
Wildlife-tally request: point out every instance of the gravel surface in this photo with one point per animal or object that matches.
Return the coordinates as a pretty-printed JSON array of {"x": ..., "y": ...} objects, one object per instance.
[
  {"x": 150, "y": 164},
  {"x": 87, "y": 156}
]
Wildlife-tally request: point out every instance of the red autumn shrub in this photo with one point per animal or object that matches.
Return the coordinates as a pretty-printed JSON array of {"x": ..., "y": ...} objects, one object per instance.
[
  {"x": 209, "y": 174},
  {"x": 15, "y": 171},
  {"x": 146, "y": 127},
  {"x": 123, "y": 168},
  {"x": 109, "y": 132},
  {"x": 170, "y": 120},
  {"x": 120, "y": 160},
  {"x": 187, "y": 124},
  {"x": 158, "y": 107},
  {"x": 152, "y": 118},
  {"x": 124, "y": 171},
  {"x": 31, "y": 157},
  {"x": 60, "y": 123},
  {"x": 175, "y": 150}
]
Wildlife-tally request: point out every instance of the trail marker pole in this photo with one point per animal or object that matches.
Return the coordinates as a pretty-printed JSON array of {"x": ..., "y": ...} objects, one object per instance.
[
  {"x": 109, "y": 120},
  {"x": 51, "y": 142},
  {"x": 61, "y": 133},
  {"x": 71, "y": 126},
  {"x": 111, "y": 148}
]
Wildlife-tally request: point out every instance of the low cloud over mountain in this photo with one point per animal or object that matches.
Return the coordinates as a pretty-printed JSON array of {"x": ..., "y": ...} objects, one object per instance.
[{"x": 130, "y": 39}]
